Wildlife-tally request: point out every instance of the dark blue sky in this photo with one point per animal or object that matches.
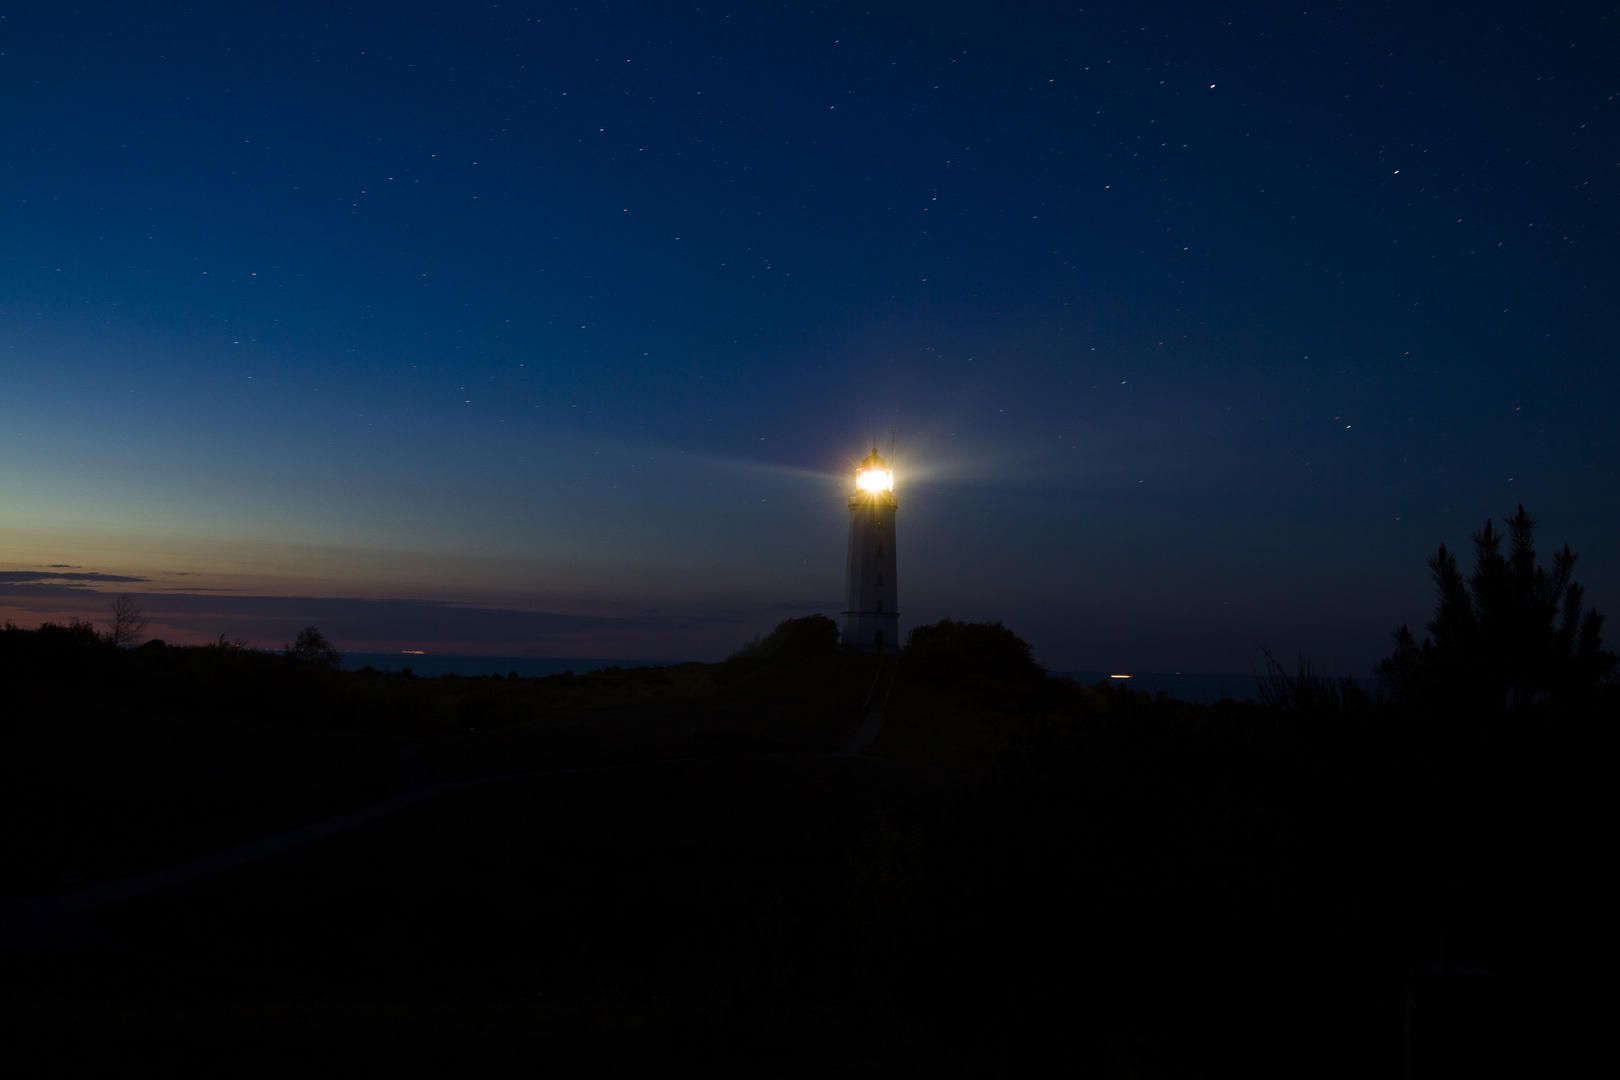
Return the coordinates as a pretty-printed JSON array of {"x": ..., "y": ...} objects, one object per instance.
[{"x": 560, "y": 328}]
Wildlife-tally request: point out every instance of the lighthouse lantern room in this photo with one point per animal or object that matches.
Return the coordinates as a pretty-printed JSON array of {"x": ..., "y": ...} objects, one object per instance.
[{"x": 871, "y": 615}]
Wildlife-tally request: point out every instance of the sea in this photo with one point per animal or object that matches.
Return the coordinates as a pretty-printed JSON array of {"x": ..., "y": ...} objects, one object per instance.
[
  {"x": 1196, "y": 689},
  {"x": 1192, "y": 687},
  {"x": 1185, "y": 686},
  {"x": 427, "y": 665}
]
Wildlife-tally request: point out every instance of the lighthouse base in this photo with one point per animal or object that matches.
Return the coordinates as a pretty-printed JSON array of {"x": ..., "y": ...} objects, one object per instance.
[{"x": 871, "y": 631}]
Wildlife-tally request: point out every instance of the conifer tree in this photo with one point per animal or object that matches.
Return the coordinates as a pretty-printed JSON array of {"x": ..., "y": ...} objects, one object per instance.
[{"x": 1511, "y": 634}]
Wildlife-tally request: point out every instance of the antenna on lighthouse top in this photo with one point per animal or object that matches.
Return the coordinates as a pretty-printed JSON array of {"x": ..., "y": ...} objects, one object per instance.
[{"x": 891, "y": 446}]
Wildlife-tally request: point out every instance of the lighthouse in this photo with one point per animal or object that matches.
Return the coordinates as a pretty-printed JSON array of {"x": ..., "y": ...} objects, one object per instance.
[{"x": 871, "y": 610}]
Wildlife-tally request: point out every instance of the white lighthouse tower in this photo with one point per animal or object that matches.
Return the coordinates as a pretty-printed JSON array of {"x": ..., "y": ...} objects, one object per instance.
[{"x": 871, "y": 610}]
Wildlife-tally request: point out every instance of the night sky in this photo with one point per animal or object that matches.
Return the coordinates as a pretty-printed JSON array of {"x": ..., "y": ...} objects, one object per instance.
[{"x": 558, "y": 330}]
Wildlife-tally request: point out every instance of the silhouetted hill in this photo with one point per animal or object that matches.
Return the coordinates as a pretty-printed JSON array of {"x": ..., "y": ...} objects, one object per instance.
[{"x": 1022, "y": 874}]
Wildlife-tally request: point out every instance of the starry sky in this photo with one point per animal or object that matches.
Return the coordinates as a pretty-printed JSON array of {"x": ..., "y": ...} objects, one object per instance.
[{"x": 557, "y": 329}]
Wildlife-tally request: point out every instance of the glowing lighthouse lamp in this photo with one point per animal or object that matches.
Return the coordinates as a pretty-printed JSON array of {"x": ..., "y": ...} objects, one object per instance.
[{"x": 872, "y": 615}]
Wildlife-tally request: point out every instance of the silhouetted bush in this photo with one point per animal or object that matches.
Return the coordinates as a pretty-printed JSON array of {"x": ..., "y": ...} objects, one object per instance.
[
  {"x": 812, "y": 635},
  {"x": 952, "y": 651},
  {"x": 1512, "y": 634},
  {"x": 1309, "y": 691},
  {"x": 807, "y": 638},
  {"x": 312, "y": 647},
  {"x": 54, "y": 653}
]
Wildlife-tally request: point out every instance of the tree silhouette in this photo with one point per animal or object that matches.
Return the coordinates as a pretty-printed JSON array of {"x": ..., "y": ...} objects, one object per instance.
[
  {"x": 793, "y": 639},
  {"x": 311, "y": 646},
  {"x": 951, "y": 651},
  {"x": 127, "y": 621},
  {"x": 1511, "y": 634}
]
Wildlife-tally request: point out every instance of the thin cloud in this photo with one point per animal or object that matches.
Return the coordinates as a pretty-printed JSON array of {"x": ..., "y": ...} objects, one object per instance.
[{"x": 39, "y": 577}]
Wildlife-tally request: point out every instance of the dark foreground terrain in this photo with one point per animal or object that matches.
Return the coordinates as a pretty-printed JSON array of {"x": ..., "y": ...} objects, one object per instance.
[{"x": 1020, "y": 875}]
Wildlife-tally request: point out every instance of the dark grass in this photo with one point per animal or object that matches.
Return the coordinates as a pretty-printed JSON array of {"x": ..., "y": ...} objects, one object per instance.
[
  {"x": 1023, "y": 875},
  {"x": 88, "y": 795}
]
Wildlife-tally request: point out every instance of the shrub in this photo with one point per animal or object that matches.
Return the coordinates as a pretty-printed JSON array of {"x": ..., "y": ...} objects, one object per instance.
[
  {"x": 813, "y": 635},
  {"x": 311, "y": 646},
  {"x": 806, "y": 638},
  {"x": 71, "y": 653},
  {"x": 950, "y": 651},
  {"x": 1309, "y": 691}
]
